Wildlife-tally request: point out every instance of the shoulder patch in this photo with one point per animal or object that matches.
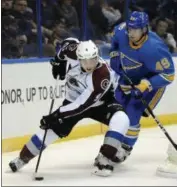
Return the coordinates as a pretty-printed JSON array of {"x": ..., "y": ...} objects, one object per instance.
[
  {"x": 101, "y": 78},
  {"x": 104, "y": 84}
]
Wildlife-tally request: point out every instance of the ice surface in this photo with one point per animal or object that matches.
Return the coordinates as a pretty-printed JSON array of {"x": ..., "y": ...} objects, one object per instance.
[{"x": 70, "y": 163}]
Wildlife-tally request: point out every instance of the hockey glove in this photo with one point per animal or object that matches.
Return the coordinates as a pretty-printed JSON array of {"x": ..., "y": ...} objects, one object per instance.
[
  {"x": 139, "y": 90},
  {"x": 58, "y": 68},
  {"x": 51, "y": 120}
]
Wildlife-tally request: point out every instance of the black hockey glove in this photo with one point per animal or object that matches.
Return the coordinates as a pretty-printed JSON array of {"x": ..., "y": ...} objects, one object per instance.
[
  {"x": 51, "y": 120},
  {"x": 58, "y": 68}
]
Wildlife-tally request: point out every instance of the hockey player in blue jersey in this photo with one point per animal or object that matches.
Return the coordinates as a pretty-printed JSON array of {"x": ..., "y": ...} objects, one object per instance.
[{"x": 139, "y": 55}]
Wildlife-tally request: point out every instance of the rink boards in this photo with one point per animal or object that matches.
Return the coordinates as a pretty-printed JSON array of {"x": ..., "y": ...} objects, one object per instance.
[{"x": 27, "y": 89}]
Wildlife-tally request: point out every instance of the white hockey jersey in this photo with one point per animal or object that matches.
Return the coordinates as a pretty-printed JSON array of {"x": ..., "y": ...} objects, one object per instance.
[{"x": 85, "y": 90}]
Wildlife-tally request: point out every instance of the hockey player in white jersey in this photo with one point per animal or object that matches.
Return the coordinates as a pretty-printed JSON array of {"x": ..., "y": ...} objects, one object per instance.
[{"x": 90, "y": 87}]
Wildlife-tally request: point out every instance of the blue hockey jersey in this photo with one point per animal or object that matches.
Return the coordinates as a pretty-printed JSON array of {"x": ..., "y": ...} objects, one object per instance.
[{"x": 150, "y": 60}]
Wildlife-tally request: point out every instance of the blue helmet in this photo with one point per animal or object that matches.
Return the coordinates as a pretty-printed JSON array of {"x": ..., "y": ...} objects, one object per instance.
[{"x": 138, "y": 20}]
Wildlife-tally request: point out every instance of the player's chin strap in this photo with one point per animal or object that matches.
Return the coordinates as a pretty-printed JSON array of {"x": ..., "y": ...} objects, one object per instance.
[
  {"x": 45, "y": 134},
  {"x": 152, "y": 114}
]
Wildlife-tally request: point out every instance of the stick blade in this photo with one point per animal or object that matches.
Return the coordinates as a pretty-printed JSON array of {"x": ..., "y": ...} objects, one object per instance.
[{"x": 37, "y": 177}]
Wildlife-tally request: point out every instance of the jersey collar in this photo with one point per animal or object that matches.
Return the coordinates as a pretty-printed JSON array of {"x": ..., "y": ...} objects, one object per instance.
[{"x": 139, "y": 43}]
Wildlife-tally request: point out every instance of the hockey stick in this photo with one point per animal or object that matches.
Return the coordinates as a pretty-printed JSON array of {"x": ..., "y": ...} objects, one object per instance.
[
  {"x": 36, "y": 177},
  {"x": 152, "y": 114}
]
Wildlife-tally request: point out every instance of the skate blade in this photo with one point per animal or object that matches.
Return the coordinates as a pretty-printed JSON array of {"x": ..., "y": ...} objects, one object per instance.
[{"x": 101, "y": 173}]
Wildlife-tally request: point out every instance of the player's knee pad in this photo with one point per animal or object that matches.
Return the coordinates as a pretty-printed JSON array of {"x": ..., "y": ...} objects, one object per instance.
[{"x": 119, "y": 122}]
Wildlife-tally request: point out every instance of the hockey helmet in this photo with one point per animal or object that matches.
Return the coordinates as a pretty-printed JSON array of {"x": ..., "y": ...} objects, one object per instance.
[
  {"x": 87, "y": 50},
  {"x": 138, "y": 20}
]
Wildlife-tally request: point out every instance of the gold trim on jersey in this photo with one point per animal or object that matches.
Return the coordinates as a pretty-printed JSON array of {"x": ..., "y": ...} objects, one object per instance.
[
  {"x": 155, "y": 99},
  {"x": 139, "y": 43},
  {"x": 133, "y": 132},
  {"x": 134, "y": 63},
  {"x": 168, "y": 77}
]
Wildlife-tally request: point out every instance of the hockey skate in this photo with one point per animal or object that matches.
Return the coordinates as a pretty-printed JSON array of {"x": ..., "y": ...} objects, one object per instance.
[
  {"x": 120, "y": 156},
  {"x": 103, "y": 166},
  {"x": 16, "y": 164},
  {"x": 169, "y": 167}
]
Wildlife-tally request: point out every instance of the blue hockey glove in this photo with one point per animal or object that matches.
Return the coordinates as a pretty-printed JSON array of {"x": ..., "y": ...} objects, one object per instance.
[{"x": 139, "y": 90}]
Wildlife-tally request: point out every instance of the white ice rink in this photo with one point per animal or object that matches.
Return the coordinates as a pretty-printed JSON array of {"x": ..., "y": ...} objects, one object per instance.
[{"x": 70, "y": 163}]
